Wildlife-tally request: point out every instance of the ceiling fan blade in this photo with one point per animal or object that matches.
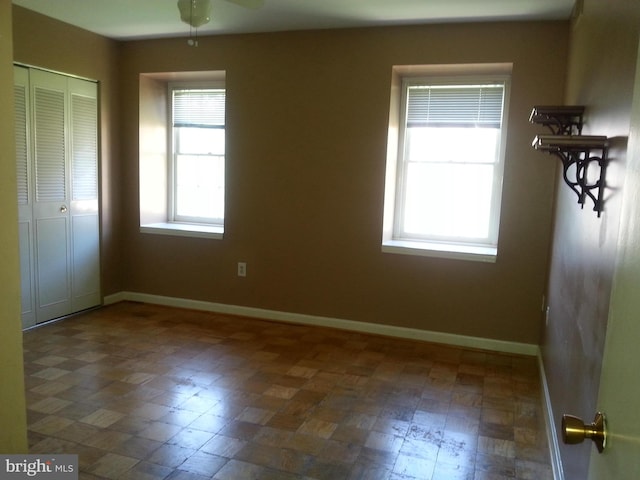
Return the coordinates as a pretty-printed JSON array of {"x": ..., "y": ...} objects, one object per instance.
[{"x": 252, "y": 4}]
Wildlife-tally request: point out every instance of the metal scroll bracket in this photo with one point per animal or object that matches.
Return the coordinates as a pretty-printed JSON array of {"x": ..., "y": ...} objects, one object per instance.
[
  {"x": 584, "y": 158},
  {"x": 584, "y": 164},
  {"x": 560, "y": 119}
]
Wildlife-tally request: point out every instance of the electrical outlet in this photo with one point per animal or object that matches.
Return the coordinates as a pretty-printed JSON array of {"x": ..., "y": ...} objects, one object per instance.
[{"x": 242, "y": 269}]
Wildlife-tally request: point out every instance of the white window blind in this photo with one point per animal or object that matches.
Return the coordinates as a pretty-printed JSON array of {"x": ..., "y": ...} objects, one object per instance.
[
  {"x": 455, "y": 106},
  {"x": 199, "y": 108}
]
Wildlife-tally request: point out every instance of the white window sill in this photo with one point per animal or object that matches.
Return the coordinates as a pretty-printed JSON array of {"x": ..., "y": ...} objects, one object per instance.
[
  {"x": 183, "y": 230},
  {"x": 441, "y": 250}
]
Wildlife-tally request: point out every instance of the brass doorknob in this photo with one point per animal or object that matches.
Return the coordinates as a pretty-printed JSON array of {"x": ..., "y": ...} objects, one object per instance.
[{"x": 574, "y": 430}]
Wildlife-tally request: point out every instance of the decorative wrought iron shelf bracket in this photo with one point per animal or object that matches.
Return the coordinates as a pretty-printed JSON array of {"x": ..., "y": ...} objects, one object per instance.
[
  {"x": 578, "y": 154},
  {"x": 560, "y": 119}
]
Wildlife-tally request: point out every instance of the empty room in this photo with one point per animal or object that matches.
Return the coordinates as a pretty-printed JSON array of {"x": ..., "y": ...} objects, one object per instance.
[{"x": 285, "y": 239}]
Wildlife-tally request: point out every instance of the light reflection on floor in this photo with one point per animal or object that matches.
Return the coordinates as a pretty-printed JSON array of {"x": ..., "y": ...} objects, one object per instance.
[{"x": 148, "y": 392}]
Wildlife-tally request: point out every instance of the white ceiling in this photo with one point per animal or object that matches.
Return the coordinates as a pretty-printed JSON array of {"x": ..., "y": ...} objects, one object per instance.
[{"x": 136, "y": 19}]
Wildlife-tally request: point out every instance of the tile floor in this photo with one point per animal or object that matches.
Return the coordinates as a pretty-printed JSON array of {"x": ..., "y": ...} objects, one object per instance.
[{"x": 148, "y": 392}]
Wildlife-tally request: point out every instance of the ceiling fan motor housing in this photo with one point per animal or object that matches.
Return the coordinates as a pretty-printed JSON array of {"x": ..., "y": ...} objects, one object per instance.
[{"x": 195, "y": 12}]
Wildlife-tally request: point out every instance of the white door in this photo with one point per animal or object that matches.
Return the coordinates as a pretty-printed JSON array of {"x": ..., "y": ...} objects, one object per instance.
[
  {"x": 85, "y": 222},
  {"x": 57, "y": 172},
  {"x": 619, "y": 396},
  {"x": 25, "y": 195},
  {"x": 51, "y": 195}
]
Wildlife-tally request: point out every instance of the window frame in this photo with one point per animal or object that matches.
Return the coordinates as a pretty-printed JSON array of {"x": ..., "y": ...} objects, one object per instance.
[
  {"x": 154, "y": 153},
  {"x": 172, "y": 216},
  {"x": 395, "y": 241}
]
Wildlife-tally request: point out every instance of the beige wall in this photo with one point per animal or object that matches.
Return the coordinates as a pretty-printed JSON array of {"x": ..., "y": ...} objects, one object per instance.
[
  {"x": 307, "y": 120},
  {"x": 46, "y": 43},
  {"x": 601, "y": 71},
  {"x": 307, "y": 116},
  {"x": 13, "y": 430}
]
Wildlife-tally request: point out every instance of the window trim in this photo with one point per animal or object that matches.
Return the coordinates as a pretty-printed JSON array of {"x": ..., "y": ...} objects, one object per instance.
[
  {"x": 154, "y": 153},
  {"x": 183, "y": 230},
  {"x": 172, "y": 217},
  {"x": 402, "y": 76}
]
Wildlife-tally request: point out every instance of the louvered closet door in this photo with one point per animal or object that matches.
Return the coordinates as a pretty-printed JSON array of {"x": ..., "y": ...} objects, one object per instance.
[
  {"x": 56, "y": 121},
  {"x": 25, "y": 195},
  {"x": 85, "y": 224},
  {"x": 51, "y": 206}
]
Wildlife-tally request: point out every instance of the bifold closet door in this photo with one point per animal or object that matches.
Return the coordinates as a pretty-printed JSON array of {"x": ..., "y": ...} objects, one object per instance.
[
  {"x": 25, "y": 195},
  {"x": 51, "y": 204},
  {"x": 57, "y": 166},
  {"x": 85, "y": 221}
]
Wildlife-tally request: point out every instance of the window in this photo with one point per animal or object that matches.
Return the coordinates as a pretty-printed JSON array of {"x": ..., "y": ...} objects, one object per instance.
[
  {"x": 444, "y": 188},
  {"x": 182, "y": 153},
  {"x": 198, "y": 149}
]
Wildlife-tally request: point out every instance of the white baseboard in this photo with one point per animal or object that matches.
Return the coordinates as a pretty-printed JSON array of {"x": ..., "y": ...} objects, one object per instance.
[
  {"x": 363, "y": 327},
  {"x": 552, "y": 437}
]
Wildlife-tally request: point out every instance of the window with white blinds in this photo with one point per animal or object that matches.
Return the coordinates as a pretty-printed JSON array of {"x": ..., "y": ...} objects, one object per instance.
[
  {"x": 198, "y": 160},
  {"x": 449, "y": 165}
]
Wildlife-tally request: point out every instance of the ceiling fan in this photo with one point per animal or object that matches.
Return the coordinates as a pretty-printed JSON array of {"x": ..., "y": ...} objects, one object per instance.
[{"x": 198, "y": 12}]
